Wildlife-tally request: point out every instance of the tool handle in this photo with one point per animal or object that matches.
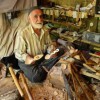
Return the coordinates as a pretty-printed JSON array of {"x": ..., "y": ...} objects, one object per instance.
[
  {"x": 26, "y": 86},
  {"x": 16, "y": 81}
]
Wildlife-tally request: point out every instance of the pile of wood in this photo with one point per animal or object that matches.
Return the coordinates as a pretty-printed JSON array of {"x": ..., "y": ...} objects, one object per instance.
[
  {"x": 77, "y": 70},
  {"x": 92, "y": 67}
]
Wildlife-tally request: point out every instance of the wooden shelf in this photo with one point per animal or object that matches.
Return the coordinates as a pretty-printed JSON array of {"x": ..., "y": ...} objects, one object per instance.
[
  {"x": 63, "y": 23},
  {"x": 97, "y": 15},
  {"x": 69, "y": 13}
]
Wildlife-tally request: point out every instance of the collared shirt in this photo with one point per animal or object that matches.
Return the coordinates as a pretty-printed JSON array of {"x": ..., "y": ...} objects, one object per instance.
[{"x": 29, "y": 43}]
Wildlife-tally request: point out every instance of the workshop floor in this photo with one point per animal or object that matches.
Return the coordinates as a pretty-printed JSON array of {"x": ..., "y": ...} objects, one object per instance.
[
  {"x": 45, "y": 91},
  {"x": 8, "y": 90}
]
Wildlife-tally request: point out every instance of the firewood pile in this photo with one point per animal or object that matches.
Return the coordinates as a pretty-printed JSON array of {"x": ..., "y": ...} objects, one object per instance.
[{"x": 79, "y": 75}]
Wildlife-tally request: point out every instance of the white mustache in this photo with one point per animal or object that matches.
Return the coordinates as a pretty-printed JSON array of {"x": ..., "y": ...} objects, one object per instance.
[{"x": 38, "y": 25}]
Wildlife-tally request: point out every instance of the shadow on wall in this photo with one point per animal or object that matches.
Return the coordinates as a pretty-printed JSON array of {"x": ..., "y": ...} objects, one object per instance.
[{"x": 9, "y": 26}]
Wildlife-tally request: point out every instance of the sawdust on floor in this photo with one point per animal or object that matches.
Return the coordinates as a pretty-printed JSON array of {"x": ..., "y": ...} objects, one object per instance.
[{"x": 45, "y": 91}]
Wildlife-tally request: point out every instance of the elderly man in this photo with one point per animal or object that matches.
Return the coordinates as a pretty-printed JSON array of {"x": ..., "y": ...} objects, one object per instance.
[{"x": 31, "y": 41}]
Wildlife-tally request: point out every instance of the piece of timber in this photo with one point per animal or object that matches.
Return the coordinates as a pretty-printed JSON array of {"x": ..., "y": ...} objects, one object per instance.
[
  {"x": 94, "y": 55},
  {"x": 26, "y": 86},
  {"x": 83, "y": 57},
  {"x": 92, "y": 69},
  {"x": 88, "y": 91},
  {"x": 15, "y": 80},
  {"x": 88, "y": 67},
  {"x": 85, "y": 65},
  {"x": 93, "y": 75},
  {"x": 97, "y": 49},
  {"x": 91, "y": 43},
  {"x": 76, "y": 85}
]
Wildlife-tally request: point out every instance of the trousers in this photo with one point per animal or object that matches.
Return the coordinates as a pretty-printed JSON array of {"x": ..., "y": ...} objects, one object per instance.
[{"x": 35, "y": 72}]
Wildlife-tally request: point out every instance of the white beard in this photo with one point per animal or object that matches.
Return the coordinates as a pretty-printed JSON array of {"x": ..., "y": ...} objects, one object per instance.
[{"x": 38, "y": 25}]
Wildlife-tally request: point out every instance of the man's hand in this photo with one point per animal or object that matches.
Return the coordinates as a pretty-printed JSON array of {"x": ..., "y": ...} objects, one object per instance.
[{"x": 29, "y": 60}]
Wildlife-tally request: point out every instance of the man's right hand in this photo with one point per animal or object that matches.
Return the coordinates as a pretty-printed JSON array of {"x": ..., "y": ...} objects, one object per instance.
[{"x": 29, "y": 60}]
